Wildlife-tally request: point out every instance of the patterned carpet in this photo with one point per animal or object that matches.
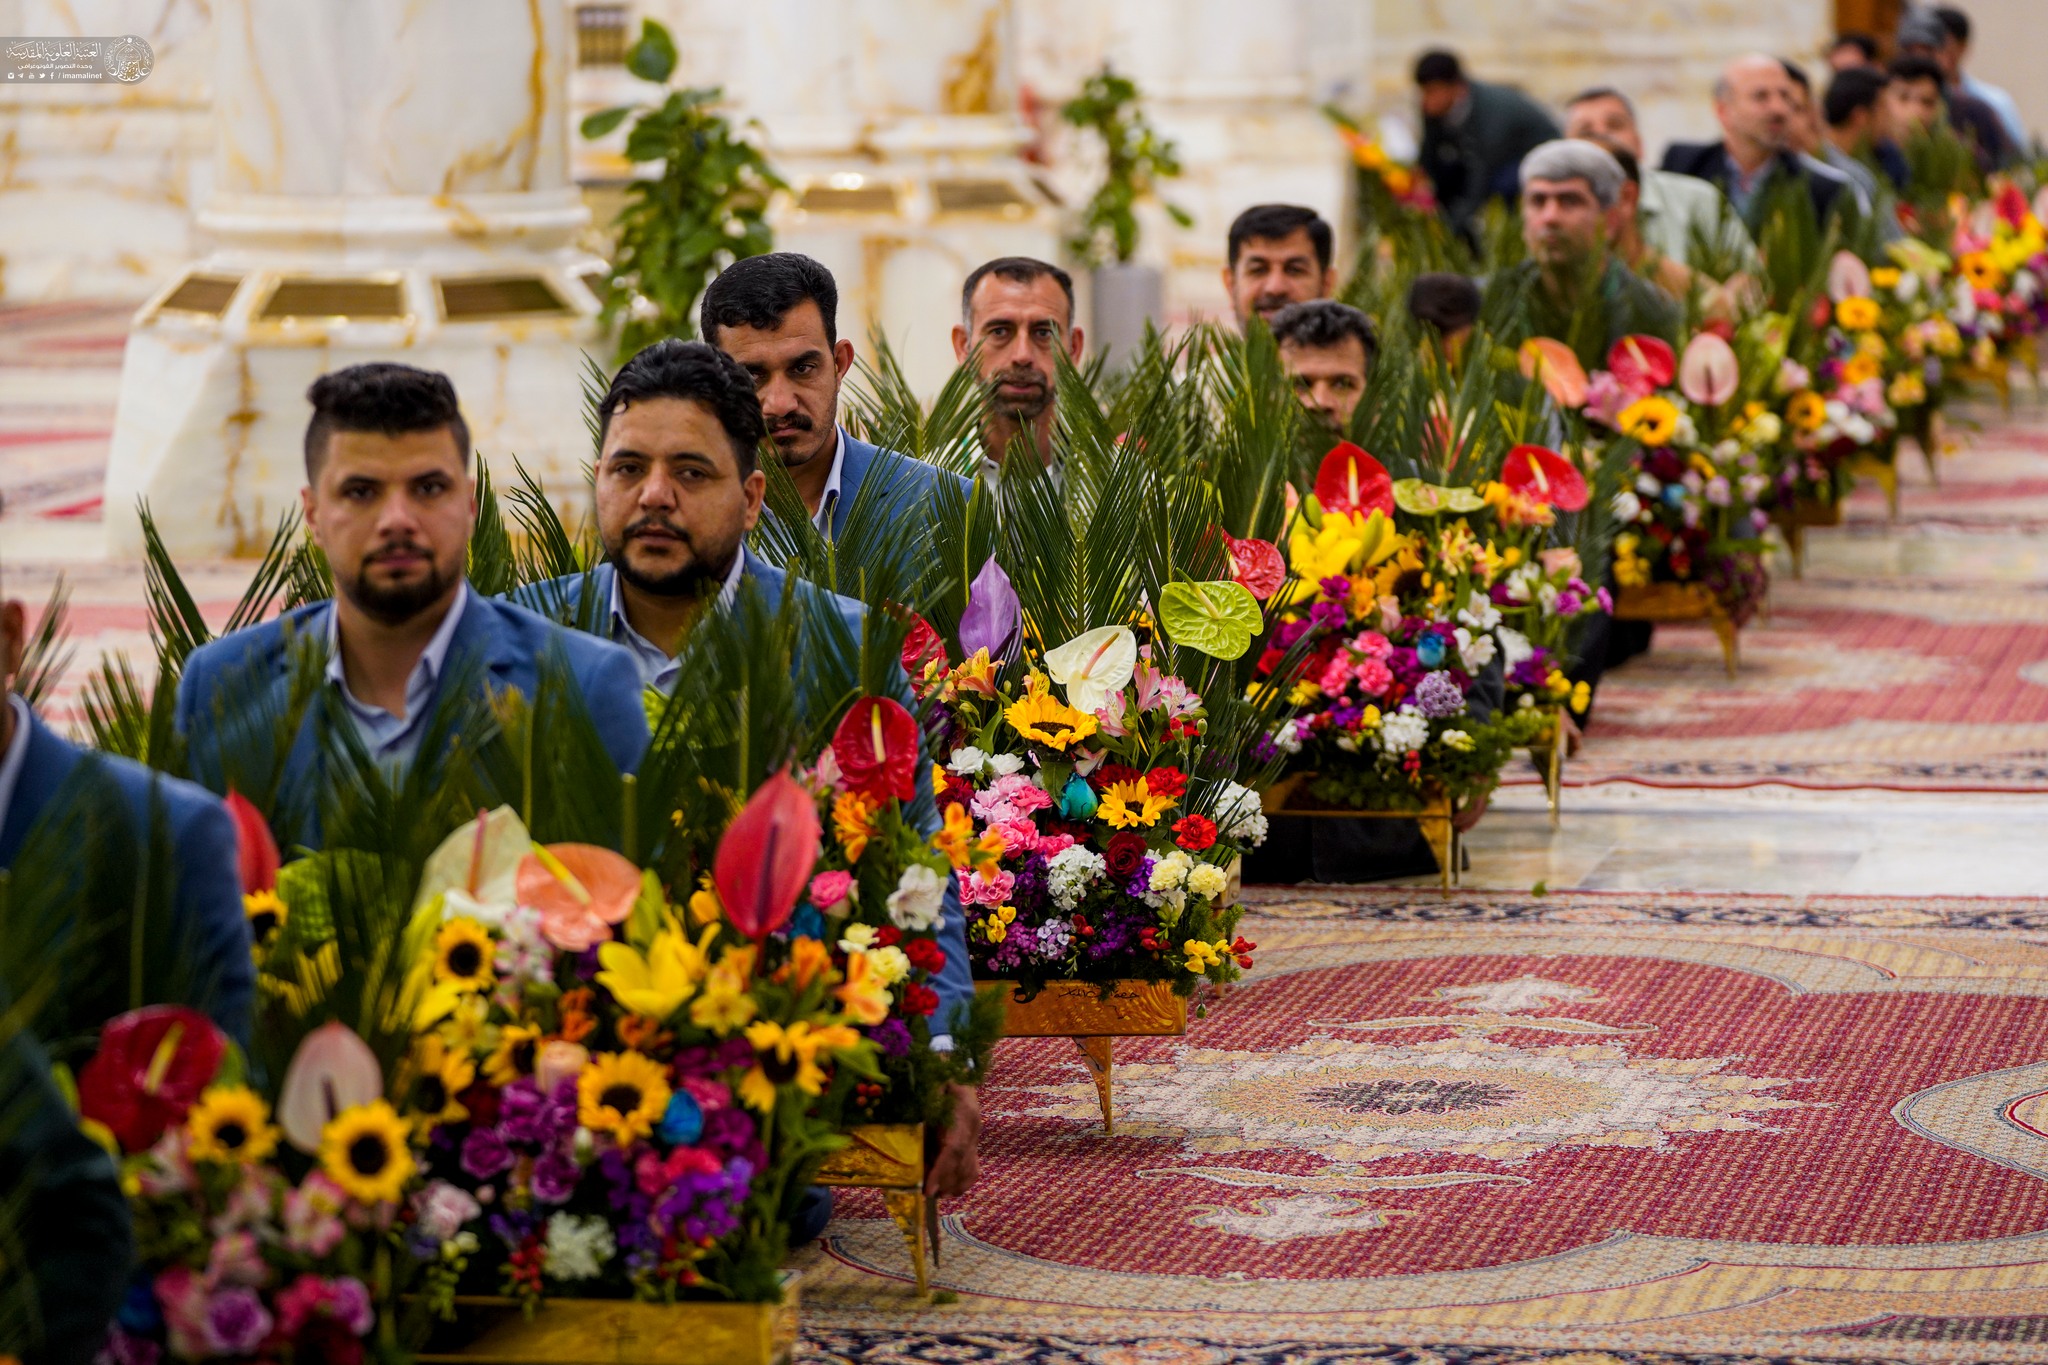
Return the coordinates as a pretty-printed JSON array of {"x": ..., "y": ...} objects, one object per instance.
[{"x": 1579, "y": 1127}]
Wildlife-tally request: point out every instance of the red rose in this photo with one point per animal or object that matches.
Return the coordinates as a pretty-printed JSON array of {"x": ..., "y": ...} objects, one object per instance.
[
  {"x": 1269, "y": 659},
  {"x": 1194, "y": 832},
  {"x": 925, "y": 955},
  {"x": 888, "y": 936},
  {"x": 1125, "y": 854},
  {"x": 1166, "y": 782},
  {"x": 919, "y": 999},
  {"x": 1109, "y": 774}
]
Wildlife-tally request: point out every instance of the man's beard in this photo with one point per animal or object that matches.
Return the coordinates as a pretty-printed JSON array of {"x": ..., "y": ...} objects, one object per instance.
[
  {"x": 701, "y": 577},
  {"x": 400, "y": 602},
  {"x": 1265, "y": 305},
  {"x": 1024, "y": 409}
]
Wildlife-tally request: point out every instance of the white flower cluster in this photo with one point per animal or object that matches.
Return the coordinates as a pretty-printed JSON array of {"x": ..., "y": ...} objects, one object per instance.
[
  {"x": 915, "y": 903},
  {"x": 1069, "y": 875},
  {"x": 1241, "y": 816},
  {"x": 1404, "y": 731},
  {"x": 1207, "y": 880},
  {"x": 577, "y": 1248},
  {"x": 1287, "y": 739},
  {"x": 971, "y": 762}
]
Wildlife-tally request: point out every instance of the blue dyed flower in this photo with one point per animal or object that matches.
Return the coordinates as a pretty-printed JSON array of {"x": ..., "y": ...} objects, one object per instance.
[
  {"x": 682, "y": 1123},
  {"x": 1429, "y": 650},
  {"x": 1077, "y": 799}
]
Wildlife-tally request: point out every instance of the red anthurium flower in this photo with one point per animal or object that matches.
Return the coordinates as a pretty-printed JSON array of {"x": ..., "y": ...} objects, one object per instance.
[
  {"x": 1258, "y": 565},
  {"x": 255, "y": 848},
  {"x": 2011, "y": 204},
  {"x": 921, "y": 646},
  {"x": 765, "y": 859},
  {"x": 1544, "y": 476},
  {"x": 1352, "y": 481},
  {"x": 151, "y": 1067},
  {"x": 1642, "y": 364},
  {"x": 876, "y": 745}
]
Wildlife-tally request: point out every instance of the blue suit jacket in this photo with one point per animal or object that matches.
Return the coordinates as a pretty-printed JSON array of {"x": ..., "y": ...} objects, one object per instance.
[
  {"x": 563, "y": 597},
  {"x": 509, "y": 641},
  {"x": 904, "y": 485},
  {"x": 207, "y": 901}
]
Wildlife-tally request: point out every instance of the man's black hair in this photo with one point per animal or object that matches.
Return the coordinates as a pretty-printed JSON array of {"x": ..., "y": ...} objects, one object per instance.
[
  {"x": 385, "y": 397},
  {"x": 1449, "y": 303},
  {"x": 1955, "y": 21},
  {"x": 759, "y": 291},
  {"x": 698, "y": 371},
  {"x": 1798, "y": 75},
  {"x": 1317, "y": 323},
  {"x": 1277, "y": 222},
  {"x": 1017, "y": 270},
  {"x": 1631, "y": 169},
  {"x": 1862, "y": 42},
  {"x": 1857, "y": 88},
  {"x": 1438, "y": 65},
  {"x": 1919, "y": 69}
]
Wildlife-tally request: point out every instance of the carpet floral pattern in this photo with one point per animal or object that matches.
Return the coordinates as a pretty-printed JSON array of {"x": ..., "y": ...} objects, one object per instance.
[{"x": 1735, "y": 1125}]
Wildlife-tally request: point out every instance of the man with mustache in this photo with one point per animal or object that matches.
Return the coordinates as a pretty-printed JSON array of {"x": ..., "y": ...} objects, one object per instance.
[
  {"x": 390, "y": 500},
  {"x": 1016, "y": 316},
  {"x": 1279, "y": 254},
  {"x": 778, "y": 316},
  {"x": 1756, "y": 102}
]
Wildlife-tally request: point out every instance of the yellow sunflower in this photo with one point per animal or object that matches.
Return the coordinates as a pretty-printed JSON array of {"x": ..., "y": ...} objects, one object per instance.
[
  {"x": 266, "y": 915},
  {"x": 1652, "y": 420},
  {"x": 622, "y": 1093},
  {"x": 1806, "y": 410},
  {"x": 440, "y": 1075},
  {"x": 1127, "y": 805},
  {"x": 463, "y": 955},
  {"x": 364, "y": 1151},
  {"x": 517, "y": 1050},
  {"x": 1045, "y": 719},
  {"x": 230, "y": 1124},
  {"x": 1857, "y": 314}
]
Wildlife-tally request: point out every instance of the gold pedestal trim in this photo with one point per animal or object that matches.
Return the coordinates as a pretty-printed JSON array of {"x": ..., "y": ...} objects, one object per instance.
[
  {"x": 1095, "y": 1014},
  {"x": 1673, "y": 602},
  {"x": 1886, "y": 473},
  {"x": 1549, "y": 760},
  {"x": 615, "y": 1332},
  {"x": 890, "y": 1157},
  {"x": 1434, "y": 815}
]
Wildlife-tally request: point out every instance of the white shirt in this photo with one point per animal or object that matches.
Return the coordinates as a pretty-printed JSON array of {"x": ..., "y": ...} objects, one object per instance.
[
  {"x": 16, "y": 757},
  {"x": 394, "y": 739},
  {"x": 822, "y": 519},
  {"x": 659, "y": 669}
]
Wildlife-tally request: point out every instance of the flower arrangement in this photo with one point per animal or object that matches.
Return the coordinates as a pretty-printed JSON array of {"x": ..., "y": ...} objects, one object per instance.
[
  {"x": 1998, "y": 297},
  {"x": 1092, "y": 828}
]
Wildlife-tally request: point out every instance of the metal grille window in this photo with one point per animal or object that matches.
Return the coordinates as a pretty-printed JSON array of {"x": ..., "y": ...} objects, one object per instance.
[{"x": 601, "y": 35}]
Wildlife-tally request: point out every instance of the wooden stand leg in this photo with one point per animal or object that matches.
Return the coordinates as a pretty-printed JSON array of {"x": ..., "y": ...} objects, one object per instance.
[
  {"x": 1888, "y": 480},
  {"x": 1553, "y": 775},
  {"x": 1437, "y": 830},
  {"x": 1929, "y": 437},
  {"x": 907, "y": 1208},
  {"x": 1099, "y": 1053},
  {"x": 1724, "y": 628},
  {"x": 1795, "y": 545}
]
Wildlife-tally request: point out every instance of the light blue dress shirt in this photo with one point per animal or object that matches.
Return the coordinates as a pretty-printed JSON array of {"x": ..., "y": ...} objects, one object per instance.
[
  {"x": 658, "y": 669},
  {"x": 393, "y": 740}
]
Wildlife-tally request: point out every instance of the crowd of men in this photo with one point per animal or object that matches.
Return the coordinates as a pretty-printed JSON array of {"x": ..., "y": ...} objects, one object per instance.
[{"x": 390, "y": 495}]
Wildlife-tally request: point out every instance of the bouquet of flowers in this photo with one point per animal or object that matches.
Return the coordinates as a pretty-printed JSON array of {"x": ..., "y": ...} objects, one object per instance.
[
  {"x": 1542, "y": 592},
  {"x": 1093, "y": 828},
  {"x": 2001, "y": 252}
]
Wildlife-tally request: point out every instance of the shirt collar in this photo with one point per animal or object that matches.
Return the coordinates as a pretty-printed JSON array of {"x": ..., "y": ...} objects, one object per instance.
[
  {"x": 834, "y": 482},
  {"x": 432, "y": 663},
  {"x": 658, "y": 669},
  {"x": 16, "y": 757}
]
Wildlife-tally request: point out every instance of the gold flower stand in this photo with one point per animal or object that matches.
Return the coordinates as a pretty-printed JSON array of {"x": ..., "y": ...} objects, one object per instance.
[
  {"x": 1548, "y": 756},
  {"x": 1998, "y": 374},
  {"x": 1671, "y": 603},
  {"x": 497, "y": 1331},
  {"x": 890, "y": 1157},
  {"x": 1095, "y": 1014},
  {"x": 1794, "y": 521},
  {"x": 1289, "y": 796},
  {"x": 1885, "y": 473}
]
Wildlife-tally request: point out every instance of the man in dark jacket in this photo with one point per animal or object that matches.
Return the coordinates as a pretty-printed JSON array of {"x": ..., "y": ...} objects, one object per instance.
[
  {"x": 1755, "y": 102},
  {"x": 1474, "y": 135}
]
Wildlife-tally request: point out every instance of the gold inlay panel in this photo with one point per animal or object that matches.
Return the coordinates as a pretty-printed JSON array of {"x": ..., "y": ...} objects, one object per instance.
[
  {"x": 848, "y": 199},
  {"x": 480, "y": 298},
  {"x": 209, "y": 295},
  {"x": 980, "y": 196},
  {"x": 297, "y": 299}
]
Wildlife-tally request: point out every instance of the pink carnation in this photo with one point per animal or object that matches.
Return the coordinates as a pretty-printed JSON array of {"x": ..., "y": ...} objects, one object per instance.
[
  {"x": 1374, "y": 677},
  {"x": 1008, "y": 798},
  {"x": 1605, "y": 398},
  {"x": 1019, "y": 837},
  {"x": 979, "y": 890}
]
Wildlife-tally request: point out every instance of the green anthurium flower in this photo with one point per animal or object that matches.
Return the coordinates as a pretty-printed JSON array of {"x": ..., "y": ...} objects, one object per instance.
[
  {"x": 1428, "y": 499},
  {"x": 1219, "y": 618}
]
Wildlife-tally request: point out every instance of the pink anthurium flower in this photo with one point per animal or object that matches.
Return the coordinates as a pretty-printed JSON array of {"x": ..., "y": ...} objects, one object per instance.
[
  {"x": 1848, "y": 277},
  {"x": 581, "y": 891},
  {"x": 1709, "y": 373},
  {"x": 1552, "y": 364},
  {"x": 332, "y": 1070},
  {"x": 765, "y": 859}
]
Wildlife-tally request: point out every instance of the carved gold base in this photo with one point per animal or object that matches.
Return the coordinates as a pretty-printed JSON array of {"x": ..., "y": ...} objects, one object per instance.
[
  {"x": 1672, "y": 602},
  {"x": 1803, "y": 513},
  {"x": 1885, "y": 474},
  {"x": 1289, "y": 796},
  {"x": 1548, "y": 756},
  {"x": 1095, "y": 1014},
  {"x": 890, "y": 1157},
  {"x": 612, "y": 1332}
]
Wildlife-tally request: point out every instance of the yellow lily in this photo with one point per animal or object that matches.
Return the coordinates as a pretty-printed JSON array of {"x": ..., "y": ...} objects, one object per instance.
[{"x": 655, "y": 985}]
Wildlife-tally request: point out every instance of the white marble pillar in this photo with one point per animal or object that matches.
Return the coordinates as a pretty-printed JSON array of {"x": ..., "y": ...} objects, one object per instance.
[{"x": 391, "y": 183}]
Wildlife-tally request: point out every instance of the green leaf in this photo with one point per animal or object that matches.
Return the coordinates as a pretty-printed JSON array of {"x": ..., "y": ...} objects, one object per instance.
[
  {"x": 602, "y": 122},
  {"x": 1219, "y": 618},
  {"x": 653, "y": 56},
  {"x": 1428, "y": 499}
]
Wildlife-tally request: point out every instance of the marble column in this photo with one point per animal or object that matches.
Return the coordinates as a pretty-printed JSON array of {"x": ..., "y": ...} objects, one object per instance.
[{"x": 390, "y": 183}]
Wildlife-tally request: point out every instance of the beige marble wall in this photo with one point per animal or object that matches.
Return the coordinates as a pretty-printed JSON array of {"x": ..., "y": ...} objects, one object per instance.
[
  {"x": 2010, "y": 49},
  {"x": 98, "y": 182},
  {"x": 1663, "y": 53}
]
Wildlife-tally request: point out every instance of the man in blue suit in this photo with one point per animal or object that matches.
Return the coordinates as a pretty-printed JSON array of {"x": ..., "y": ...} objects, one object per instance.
[
  {"x": 679, "y": 485},
  {"x": 778, "y": 316},
  {"x": 43, "y": 780},
  {"x": 390, "y": 500}
]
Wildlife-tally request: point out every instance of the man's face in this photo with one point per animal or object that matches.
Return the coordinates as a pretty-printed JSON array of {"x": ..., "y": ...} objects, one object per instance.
[
  {"x": 1329, "y": 380},
  {"x": 1950, "y": 55},
  {"x": 1606, "y": 121},
  {"x": 1561, "y": 221},
  {"x": 1438, "y": 98},
  {"x": 1846, "y": 57},
  {"x": 1803, "y": 133},
  {"x": 393, "y": 515},
  {"x": 796, "y": 372},
  {"x": 1017, "y": 330},
  {"x": 1912, "y": 104},
  {"x": 1759, "y": 106},
  {"x": 672, "y": 507},
  {"x": 1271, "y": 273}
]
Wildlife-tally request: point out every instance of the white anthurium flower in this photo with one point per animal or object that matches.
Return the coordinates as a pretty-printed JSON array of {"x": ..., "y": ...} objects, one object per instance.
[{"x": 1094, "y": 664}]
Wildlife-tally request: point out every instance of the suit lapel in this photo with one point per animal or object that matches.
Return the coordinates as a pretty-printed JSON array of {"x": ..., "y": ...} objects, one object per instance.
[
  {"x": 48, "y": 762},
  {"x": 860, "y": 457}
]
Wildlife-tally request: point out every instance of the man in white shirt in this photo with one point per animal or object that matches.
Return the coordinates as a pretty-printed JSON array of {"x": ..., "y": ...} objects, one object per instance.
[{"x": 1672, "y": 210}]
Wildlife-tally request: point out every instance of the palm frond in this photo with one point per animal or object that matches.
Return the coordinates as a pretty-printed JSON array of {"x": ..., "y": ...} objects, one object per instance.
[{"x": 47, "y": 653}]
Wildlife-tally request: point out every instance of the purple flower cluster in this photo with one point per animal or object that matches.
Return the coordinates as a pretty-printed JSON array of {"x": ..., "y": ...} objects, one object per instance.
[
  {"x": 1532, "y": 672},
  {"x": 533, "y": 1124},
  {"x": 892, "y": 1035},
  {"x": 1439, "y": 696},
  {"x": 705, "y": 1205}
]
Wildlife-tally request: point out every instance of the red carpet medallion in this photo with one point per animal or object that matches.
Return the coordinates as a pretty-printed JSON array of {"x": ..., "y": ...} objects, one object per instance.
[{"x": 1738, "y": 1125}]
